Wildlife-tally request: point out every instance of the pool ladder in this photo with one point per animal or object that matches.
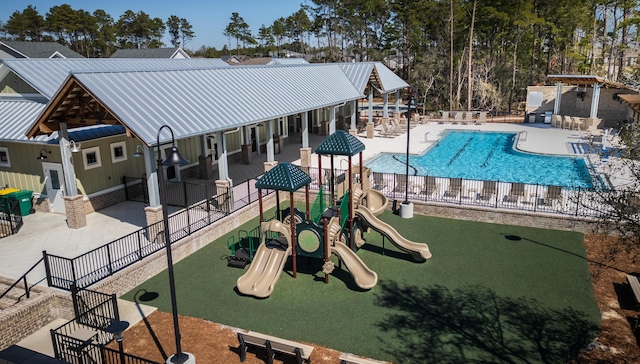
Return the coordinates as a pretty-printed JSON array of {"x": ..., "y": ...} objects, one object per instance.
[{"x": 520, "y": 134}]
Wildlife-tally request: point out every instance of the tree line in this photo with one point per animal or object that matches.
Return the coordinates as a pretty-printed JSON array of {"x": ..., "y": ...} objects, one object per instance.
[
  {"x": 96, "y": 34},
  {"x": 458, "y": 54}
]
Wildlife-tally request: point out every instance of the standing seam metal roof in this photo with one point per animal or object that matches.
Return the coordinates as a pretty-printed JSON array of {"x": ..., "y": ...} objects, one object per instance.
[
  {"x": 47, "y": 75},
  {"x": 16, "y": 117},
  {"x": 194, "y": 102}
]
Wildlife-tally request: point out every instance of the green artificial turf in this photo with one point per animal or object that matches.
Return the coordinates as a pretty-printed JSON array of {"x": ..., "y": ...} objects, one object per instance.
[{"x": 490, "y": 293}]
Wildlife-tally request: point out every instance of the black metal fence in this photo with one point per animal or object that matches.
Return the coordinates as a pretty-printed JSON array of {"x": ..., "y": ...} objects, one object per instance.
[
  {"x": 94, "y": 309},
  {"x": 10, "y": 217},
  {"x": 135, "y": 189},
  {"x": 533, "y": 198},
  {"x": 104, "y": 261},
  {"x": 110, "y": 356}
]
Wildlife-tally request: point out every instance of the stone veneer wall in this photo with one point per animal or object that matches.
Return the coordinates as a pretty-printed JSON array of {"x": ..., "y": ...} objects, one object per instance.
[
  {"x": 22, "y": 320},
  {"x": 96, "y": 203}
]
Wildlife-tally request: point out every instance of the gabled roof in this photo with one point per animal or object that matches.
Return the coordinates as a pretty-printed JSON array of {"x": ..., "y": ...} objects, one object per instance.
[
  {"x": 290, "y": 60},
  {"x": 16, "y": 116},
  {"x": 340, "y": 143},
  {"x": 284, "y": 177},
  {"x": 193, "y": 102},
  {"x": 150, "y": 53},
  {"x": 46, "y": 75},
  {"x": 373, "y": 73},
  {"x": 38, "y": 50}
]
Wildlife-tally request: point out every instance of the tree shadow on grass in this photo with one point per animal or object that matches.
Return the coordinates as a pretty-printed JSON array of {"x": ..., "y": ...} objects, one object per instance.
[{"x": 476, "y": 325}]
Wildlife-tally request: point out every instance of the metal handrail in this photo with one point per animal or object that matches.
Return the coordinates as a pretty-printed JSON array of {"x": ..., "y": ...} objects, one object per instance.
[{"x": 27, "y": 288}]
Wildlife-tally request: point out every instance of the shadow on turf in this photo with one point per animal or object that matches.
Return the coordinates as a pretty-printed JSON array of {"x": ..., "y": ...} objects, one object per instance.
[{"x": 475, "y": 324}]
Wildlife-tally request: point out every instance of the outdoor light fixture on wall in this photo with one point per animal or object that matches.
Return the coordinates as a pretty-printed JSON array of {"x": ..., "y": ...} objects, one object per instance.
[
  {"x": 139, "y": 151},
  {"x": 75, "y": 148},
  {"x": 42, "y": 156}
]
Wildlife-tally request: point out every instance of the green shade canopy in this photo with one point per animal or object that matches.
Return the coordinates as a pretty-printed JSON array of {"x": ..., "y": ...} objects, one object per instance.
[
  {"x": 284, "y": 177},
  {"x": 340, "y": 143}
]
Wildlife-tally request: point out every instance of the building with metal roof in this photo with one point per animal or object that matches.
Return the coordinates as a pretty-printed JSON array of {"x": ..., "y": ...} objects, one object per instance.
[
  {"x": 173, "y": 53},
  {"x": 116, "y": 106},
  {"x": 11, "y": 49}
]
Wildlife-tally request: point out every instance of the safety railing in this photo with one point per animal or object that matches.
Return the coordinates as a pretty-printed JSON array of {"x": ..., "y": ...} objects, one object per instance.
[{"x": 102, "y": 262}]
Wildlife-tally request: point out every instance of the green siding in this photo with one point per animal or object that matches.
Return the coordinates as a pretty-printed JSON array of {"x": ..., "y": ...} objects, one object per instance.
[
  {"x": 26, "y": 172},
  {"x": 13, "y": 84}
]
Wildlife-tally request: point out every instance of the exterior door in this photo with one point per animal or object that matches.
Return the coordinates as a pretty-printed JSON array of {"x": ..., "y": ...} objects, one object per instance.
[{"x": 54, "y": 182}]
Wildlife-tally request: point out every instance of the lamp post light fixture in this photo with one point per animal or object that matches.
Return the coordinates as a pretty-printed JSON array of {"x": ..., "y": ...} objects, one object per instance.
[
  {"x": 406, "y": 207},
  {"x": 173, "y": 158},
  {"x": 117, "y": 329}
]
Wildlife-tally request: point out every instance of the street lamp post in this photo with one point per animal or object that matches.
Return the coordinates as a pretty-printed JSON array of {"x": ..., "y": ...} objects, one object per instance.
[
  {"x": 173, "y": 158},
  {"x": 117, "y": 329},
  {"x": 406, "y": 207}
]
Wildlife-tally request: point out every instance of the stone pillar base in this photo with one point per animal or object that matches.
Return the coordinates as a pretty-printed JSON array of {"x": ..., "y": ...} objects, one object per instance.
[
  {"x": 269, "y": 165},
  {"x": 246, "y": 154},
  {"x": 305, "y": 157},
  {"x": 74, "y": 207},
  {"x": 369, "y": 130},
  {"x": 353, "y": 132},
  {"x": 225, "y": 195},
  {"x": 205, "y": 169},
  {"x": 324, "y": 128},
  {"x": 153, "y": 216}
]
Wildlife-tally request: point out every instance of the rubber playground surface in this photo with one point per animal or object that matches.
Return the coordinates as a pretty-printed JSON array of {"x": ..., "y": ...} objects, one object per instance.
[{"x": 492, "y": 293}]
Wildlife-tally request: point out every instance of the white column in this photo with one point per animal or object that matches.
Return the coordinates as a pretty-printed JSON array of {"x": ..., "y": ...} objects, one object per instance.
[
  {"x": 556, "y": 106},
  {"x": 305, "y": 130},
  {"x": 385, "y": 106},
  {"x": 223, "y": 165},
  {"x": 152, "y": 175},
  {"x": 595, "y": 100},
  {"x": 397, "y": 100},
  {"x": 354, "y": 113},
  {"x": 257, "y": 127},
  {"x": 67, "y": 161},
  {"x": 371, "y": 104},
  {"x": 270, "y": 157},
  {"x": 332, "y": 123}
]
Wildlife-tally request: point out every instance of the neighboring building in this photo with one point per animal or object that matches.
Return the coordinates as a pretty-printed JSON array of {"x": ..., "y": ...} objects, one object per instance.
[
  {"x": 9, "y": 49},
  {"x": 269, "y": 61},
  {"x": 583, "y": 96},
  {"x": 172, "y": 53}
]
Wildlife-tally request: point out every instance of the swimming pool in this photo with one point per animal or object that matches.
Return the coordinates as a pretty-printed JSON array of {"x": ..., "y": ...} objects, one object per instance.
[{"x": 481, "y": 155}]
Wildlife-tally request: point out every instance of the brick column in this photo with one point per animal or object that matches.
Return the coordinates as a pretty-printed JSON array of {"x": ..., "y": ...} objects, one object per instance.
[
  {"x": 369, "y": 130},
  {"x": 305, "y": 157},
  {"x": 154, "y": 215},
  {"x": 246, "y": 154},
  {"x": 269, "y": 165},
  {"x": 225, "y": 202},
  {"x": 205, "y": 169},
  {"x": 74, "y": 207}
]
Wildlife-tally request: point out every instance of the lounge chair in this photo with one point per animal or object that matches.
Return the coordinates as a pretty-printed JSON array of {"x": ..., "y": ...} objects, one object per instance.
[
  {"x": 400, "y": 184},
  {"x": 458, "y": 118},
  {"x": 378, "y": 181},
  {"x": 566, "y": 122},
  {"x": 577, "y": 123},
  {"x": 516, "y": 194},
  {"x": 553, "y": 196},
  {"x": 482, "y": 118},
  {"x": 556, "y": 120},
  {"x": 488, "y": 192},
  {"x": 444, "y": 118},
  {"x": 429, "y": 188},
  {"x": 386, "y": 131},
  {"x": 454, "y": 189},
  {"x": 468, "y": 118}
]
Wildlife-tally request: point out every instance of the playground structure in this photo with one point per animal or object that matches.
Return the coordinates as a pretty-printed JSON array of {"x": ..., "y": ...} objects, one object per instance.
[{"x": 335, "y": 224}]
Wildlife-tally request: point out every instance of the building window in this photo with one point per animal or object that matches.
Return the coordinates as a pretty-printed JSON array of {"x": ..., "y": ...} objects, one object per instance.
[
  {"x": 91, "y": 158},
  {"x": 118, "y": 152},
  {"x": 4, "y": 157}
]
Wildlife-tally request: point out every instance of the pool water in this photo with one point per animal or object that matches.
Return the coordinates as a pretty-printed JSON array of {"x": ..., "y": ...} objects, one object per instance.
[{"x": 479, "y": 155}]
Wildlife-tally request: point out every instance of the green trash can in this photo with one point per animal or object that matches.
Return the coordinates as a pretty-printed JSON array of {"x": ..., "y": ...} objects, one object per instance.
[{"x": 24, "y": 199}]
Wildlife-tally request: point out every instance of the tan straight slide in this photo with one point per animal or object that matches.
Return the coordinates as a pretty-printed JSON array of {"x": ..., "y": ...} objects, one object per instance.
[
  {"x": 264, "y": 272},
  {"x": 364, "y": 277},
  {"x": 419, "y": 251}
]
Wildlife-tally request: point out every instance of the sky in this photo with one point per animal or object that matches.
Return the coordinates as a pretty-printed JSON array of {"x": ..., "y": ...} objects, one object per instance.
[{"x": 207, "y": 17}]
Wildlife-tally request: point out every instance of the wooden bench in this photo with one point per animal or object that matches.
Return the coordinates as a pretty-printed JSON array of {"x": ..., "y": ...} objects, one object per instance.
[
  {"x": 634, "y": 281},
  {"x": 347, "y": 358},
  {"x": 273, "y": 344}
]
